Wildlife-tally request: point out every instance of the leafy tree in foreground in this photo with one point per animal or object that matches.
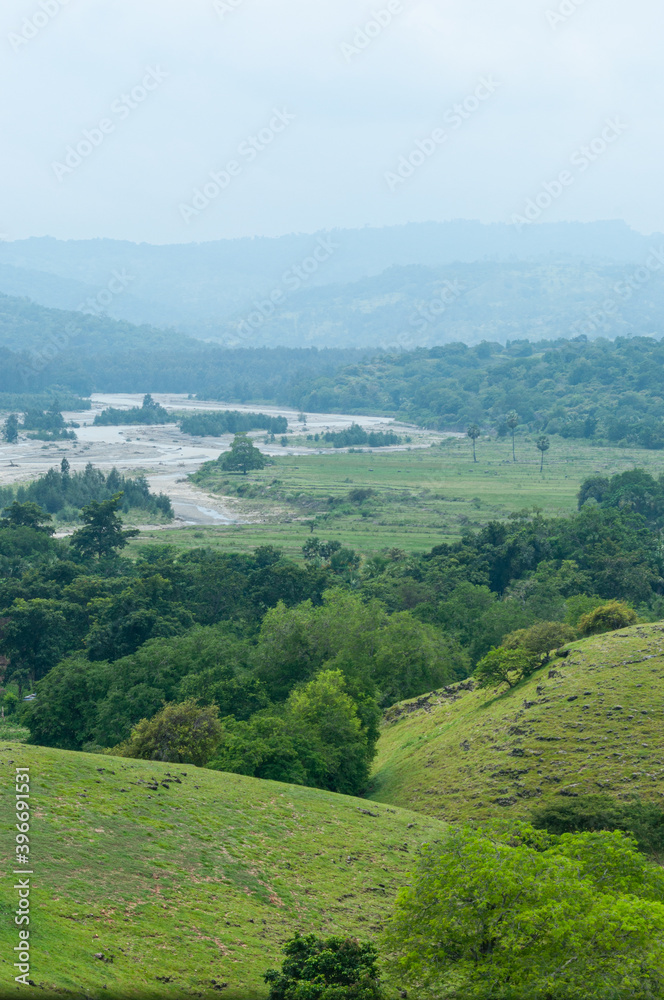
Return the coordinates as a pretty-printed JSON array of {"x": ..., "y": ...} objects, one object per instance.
[
  {"x": 580, "y": 917},
  {"x": 10, "y": 429},
  {"x": 184, "y": 733},
  {"x": 543, "y": 444},
  {"x": 332, "y": 969},
  {"x": 102, "y": 533},
  {"x": 607, "y": 617},
  {"x": 512, "y": 421},
  {"x": 473, "y": 433},
  {"x": 243, "y": 456}
]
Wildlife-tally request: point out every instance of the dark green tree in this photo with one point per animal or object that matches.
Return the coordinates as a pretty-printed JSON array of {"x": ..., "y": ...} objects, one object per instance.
[
  {"x": 102, "y": 533},
  {"x": 185, "y": 733},
  {"x": 543, "y": 444},
  {"x": 473, "y": 433},
  {"x": 10, "y": 430},
  {"x": 35, "y": 635},
  {"x": 332, "y": 969},
  {"x": 512, "y": 421},
  {"x": 243, "y": 456},
  {"x": 27, "y": 515}
]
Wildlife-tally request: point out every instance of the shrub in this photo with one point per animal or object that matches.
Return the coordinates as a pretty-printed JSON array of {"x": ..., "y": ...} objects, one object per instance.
[
  {"x": 332, "y": 969},
  {"x": 182, "y": 733},
  {"x": 10, "y": 703},
  {"x": 607, "y": 618}
]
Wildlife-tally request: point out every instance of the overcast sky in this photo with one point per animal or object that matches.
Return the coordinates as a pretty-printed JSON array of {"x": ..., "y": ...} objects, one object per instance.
[{"x": 306, "y": 118}]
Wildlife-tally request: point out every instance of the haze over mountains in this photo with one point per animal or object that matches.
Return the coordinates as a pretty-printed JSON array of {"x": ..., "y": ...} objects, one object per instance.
[{"x": 415, "y": 285}]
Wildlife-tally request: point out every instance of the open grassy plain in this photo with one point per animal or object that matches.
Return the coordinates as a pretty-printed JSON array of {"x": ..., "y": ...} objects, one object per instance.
[
  {"x": 420, "y": 497},
  {"x": 591, "y": 722},
  {"x": 187, "y": 881}
]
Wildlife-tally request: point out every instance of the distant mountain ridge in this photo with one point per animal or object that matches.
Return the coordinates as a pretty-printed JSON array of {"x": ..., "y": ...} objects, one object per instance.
[{"x": 217, "y": 290}]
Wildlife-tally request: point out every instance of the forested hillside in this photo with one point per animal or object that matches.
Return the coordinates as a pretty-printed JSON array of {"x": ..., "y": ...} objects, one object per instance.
[
  {"x": 49, "y": 350},
  {"x": 599, "y": 389},
  {"x": 536, "y": 282}
]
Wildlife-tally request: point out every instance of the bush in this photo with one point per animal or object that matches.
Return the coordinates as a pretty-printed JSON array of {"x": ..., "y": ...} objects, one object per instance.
[
  {"x": 10, "y": 703},
  {"x": 181, "y": 733},
  {"x": 607, "y": 618},
  {"x": 332, "y": 969}
]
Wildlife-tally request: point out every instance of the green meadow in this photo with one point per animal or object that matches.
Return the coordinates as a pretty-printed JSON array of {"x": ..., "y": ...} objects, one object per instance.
[
  {"x": 420, "y": 497},
  {"x": 185, "y": 881}
]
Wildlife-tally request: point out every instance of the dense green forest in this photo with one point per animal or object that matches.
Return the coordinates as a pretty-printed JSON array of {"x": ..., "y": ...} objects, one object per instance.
[
  {"x": 109, "y": 639},
  {"x": 599, "y": 389},
  {"x": 596, "y": 389}
]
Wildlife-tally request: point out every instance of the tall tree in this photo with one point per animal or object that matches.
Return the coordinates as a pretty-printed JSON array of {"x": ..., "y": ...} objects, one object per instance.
[
  {"x": 543, "y": 445},
  {"x": 102, "y": 532},
  {"x": 242, "y": 456},
  {"x": 473, "y": 433},
  {"x": 512, "y": 421},
  {"x": 10, "y": 430}
]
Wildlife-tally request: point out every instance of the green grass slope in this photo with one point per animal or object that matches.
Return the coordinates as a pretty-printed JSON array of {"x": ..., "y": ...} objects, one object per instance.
[
  {"x": 592, "y": 722},
  {"x": 190, "y": 885}
]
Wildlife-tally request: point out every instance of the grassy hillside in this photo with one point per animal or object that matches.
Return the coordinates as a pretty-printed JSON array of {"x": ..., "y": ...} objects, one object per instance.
[
  {"x": 191, "y": 884},
  {"x": 589, "y": 723}
]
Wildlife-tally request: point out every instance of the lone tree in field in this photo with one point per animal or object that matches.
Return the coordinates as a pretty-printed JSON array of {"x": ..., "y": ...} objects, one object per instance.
[
  {"x": 242, "y": 456},
  {"x": 473, "y": 433},
  {"x": 10, "y": 430},
  {"x": 512, "y": 421},
  {"x": 543, "y": 444}
]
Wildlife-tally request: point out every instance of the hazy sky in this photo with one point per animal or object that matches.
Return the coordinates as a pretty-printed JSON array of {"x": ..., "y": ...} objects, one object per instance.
[{"x": 309, "y": 113}]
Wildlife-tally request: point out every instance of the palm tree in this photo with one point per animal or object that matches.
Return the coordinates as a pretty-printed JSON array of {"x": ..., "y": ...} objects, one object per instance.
[
  {"x": 473, "y": 433},
  {"x": 512, "y": 421},
  {"x": 543, "y": 444}
]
